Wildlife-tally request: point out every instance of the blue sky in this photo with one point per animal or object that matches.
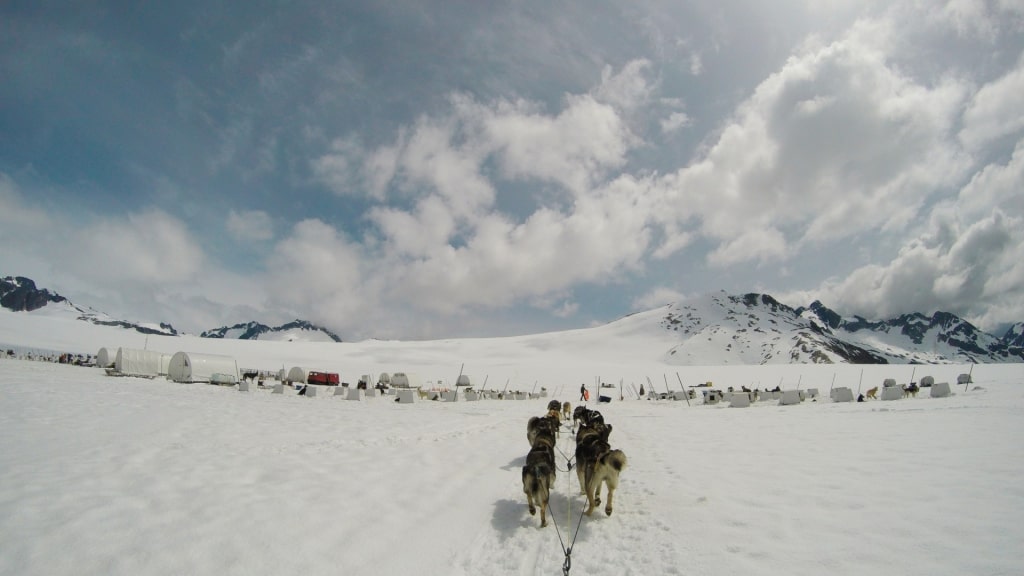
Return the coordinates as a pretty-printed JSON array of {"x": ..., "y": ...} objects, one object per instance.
[{"x": 444, "y": 169}]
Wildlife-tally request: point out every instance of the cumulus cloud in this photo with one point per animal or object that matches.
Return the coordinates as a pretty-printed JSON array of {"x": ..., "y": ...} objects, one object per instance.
[
  {"x": 319, "y": 274},
  {"x": 835, "y": 143},
  {"x": 995, "y": 111},
  {"x": 954, "y": 268}
]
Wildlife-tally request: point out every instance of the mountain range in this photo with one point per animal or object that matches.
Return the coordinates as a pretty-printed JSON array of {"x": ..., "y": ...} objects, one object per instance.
[
  {"x": 20, "y": 294},
  {"x": 736, "y": 329}
]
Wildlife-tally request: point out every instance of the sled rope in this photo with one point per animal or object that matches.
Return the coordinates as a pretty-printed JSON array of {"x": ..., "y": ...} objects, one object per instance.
[
  {"x": 568, "y": 461},
  {"x": 567, "y": 563}
]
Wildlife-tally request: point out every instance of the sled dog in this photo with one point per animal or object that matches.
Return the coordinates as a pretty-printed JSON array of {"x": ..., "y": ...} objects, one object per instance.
[
  {"x": 872, "y": 393},
  {"x": 541, "y": 427},
  {"x": 539, "y": 479},
  {"x": 597, "y": 464}
]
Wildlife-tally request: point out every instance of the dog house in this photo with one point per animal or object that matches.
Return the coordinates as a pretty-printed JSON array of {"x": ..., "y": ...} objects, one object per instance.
[
  {"x": 188, "y": 367},
  {"x": 892, "y": 393},
  {"x": 964, "y": 379},
  {"x": 790, "y": 397},
  {"x": 105, "y": 358},
  {"x": 927, "y": 381},
  {"x": 841, "y": 394},
  {"x": 940, "y": 390},
  {"x": 134, "y": 362},
  {"x": 712, "y": 396},
  {"x": 740, "y": 400}
]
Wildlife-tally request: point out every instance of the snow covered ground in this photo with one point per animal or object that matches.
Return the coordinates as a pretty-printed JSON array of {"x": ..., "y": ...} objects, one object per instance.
[{"x": 102, "y": 475}]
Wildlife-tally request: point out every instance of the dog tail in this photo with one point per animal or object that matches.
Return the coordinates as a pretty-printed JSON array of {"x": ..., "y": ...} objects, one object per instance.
[{"x": 616, "y": 459}]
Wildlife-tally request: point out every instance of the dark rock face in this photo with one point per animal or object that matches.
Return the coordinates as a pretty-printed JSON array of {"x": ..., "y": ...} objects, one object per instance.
[{"x": 20, "y": 294}]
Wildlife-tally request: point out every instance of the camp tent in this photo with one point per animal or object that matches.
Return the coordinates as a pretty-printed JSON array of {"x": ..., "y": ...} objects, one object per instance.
[
  {"x": 105, "y": 358},
  {"x": 191, "y": 367},
  {"x": 405, "y": 380},
  {"x": 297, "y": 375},
  {"x": 135, "y": 362}
]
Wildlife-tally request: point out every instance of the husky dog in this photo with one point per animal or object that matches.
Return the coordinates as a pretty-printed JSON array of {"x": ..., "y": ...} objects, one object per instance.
[
  {"x": 583, "y": 417},
  {"x": 911, "y": 390},
  {"x": 597, "y": 463},
  {"x": 555, "y": 412},
  {"x": 566, "y": 411},
  {"x": 605, "y": 470},
  {"x": 591, "y": 441},
  {"x": 539, "y": 471},
  {"x": 539, "y": 478},
  {"x": 872, "y": 393},
  {"x": 541, "y": 425}
]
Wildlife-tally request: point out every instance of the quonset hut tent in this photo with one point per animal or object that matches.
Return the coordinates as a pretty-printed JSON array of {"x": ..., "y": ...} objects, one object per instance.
[
  {"x": 189, "y": 367},
  {"x": 297, "y": 375},
  {"x": 135, "y": 362},
  {"x": 105, "y": 358}
]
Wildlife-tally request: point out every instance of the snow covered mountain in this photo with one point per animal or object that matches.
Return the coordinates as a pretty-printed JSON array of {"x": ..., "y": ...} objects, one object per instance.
[
  {"x": 757, "y": 329},
  {"x": 716, "y": 328},
  {"x": 295, "y": 331},
  {"x": 19, "y": 294}
]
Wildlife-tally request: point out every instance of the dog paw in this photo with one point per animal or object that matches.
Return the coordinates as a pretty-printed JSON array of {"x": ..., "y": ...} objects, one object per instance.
[
  {"x": 533, "y": 511},
  {"x": 608, "y": 511}
]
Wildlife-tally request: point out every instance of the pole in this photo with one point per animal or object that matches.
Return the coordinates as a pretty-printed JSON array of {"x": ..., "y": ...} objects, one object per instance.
[
  {"x": 685, "y": 393},
  {"x": 859, "y": 382},
  {"x": 455, "y": 390}
]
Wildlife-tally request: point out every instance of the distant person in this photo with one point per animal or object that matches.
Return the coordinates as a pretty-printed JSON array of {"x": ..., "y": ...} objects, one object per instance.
[{"x": 583, "y": 392}]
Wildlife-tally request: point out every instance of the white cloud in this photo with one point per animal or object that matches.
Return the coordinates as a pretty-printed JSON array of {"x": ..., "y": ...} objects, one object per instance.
[
  {"x": 628, "y": 89},
  {"x": 835, "y": 143},
  {"x": 676, "y": 121},
  {"x": 146, "y": 248},
  {"x": 657, "y": 296},
  {"x": 321, "y": 275},
  {"x": 995, "y": 110},
  {"x": 969, "y": 270},
  {"x": 576, "y": 148},
  {"x": 250, "y": 226}
]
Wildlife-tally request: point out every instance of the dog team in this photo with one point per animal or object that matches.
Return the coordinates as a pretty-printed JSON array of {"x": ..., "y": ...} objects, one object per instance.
[{"x": 596, "y": 462}]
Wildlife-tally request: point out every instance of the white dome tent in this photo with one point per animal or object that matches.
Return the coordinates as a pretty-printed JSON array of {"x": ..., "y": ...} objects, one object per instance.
[
  {"x": 297, "y": 375},
  {"x": 188, "y": 367},
  {"x": 105, "y": 358}
]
